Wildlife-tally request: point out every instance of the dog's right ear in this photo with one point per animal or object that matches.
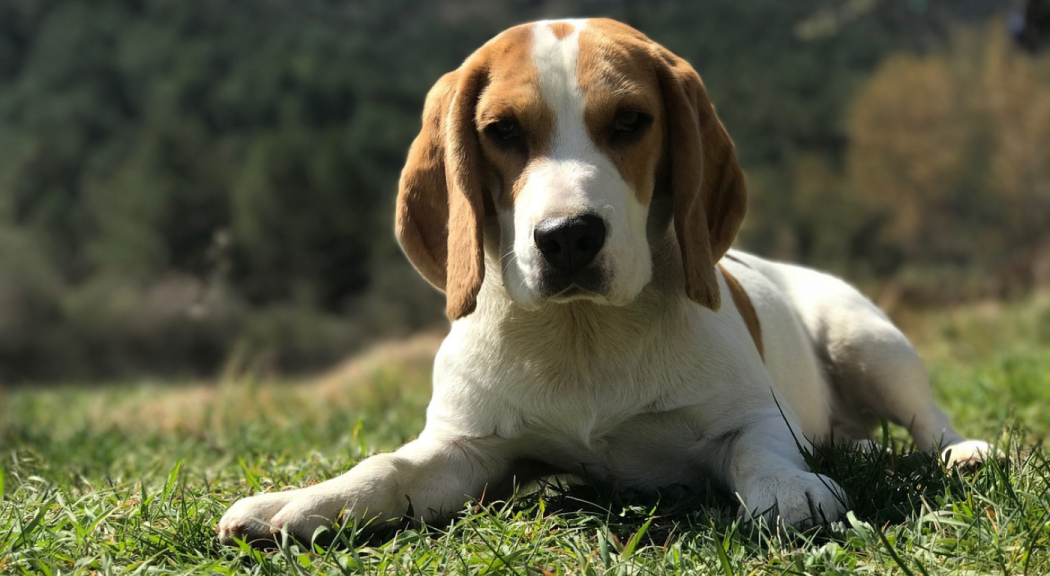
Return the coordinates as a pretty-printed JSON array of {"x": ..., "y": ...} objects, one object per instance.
[{"x": 440, "y": 204}]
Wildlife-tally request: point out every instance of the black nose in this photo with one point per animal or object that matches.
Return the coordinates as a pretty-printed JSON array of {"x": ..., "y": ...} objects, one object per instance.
[{"x": 570, "y": 244}]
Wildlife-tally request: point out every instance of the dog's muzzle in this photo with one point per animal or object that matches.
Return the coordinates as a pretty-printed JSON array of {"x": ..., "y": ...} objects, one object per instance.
[{"x": 569, "y": 247}]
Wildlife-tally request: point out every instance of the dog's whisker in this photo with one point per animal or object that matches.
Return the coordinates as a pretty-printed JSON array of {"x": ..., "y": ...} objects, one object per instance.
[{"x": 504, "y": 266}]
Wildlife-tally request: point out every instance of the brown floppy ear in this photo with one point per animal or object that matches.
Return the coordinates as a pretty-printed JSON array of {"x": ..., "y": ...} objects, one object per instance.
[
  {"x": 440, "y": 204},
  {"x": 707, "y": 185}
]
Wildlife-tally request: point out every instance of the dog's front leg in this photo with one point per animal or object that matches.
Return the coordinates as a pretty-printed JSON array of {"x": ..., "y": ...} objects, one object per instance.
[
  {"x": 767, "y": 471},
  {"x": 424, "y": 479}
]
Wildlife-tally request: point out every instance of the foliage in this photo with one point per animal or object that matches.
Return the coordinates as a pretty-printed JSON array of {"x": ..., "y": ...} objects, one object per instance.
[
  {"x": 186, "y": 181},
  {"x": 978, "y": 114}
]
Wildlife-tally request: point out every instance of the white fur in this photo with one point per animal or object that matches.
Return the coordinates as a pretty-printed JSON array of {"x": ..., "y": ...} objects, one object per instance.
[{"x": 650, "y": 391}]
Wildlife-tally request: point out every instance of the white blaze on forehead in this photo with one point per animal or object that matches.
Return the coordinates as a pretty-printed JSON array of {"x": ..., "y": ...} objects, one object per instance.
[
  {"x": 556, "y": 61},
  {"x": 562, "y": 183}
]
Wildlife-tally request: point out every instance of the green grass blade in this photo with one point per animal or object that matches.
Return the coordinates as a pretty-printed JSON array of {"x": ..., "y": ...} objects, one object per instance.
[
  {"x": 632, "y": 542},
  {"x": 896, "y": 557},
  {"x": 723, "y": 555},
  {"x": 169, "y": 486}
]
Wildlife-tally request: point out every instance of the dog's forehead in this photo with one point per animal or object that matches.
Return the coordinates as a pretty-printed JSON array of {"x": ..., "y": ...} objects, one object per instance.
[{"x": 584, "y": 53}]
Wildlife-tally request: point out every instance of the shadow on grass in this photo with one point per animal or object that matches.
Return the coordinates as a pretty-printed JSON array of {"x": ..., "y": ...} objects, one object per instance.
[{"x": 884, "y": 487}]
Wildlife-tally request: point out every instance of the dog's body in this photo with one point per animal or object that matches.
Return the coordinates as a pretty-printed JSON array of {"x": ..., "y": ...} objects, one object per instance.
[{"x": 591, "y": 335}]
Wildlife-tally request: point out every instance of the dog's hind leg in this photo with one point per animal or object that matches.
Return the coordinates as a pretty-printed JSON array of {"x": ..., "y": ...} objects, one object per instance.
[{"x": 878, "y": 374}]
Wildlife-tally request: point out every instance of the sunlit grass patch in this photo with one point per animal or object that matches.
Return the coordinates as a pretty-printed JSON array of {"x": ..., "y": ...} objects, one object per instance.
[{"x": 133, "y": 477}]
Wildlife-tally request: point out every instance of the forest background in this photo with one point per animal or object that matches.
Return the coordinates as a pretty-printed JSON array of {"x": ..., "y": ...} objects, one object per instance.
[{"x": 190, "y": 185}]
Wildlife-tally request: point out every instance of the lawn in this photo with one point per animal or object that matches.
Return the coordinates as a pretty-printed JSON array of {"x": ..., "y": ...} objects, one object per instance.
[{"x": 132, "y": 477}]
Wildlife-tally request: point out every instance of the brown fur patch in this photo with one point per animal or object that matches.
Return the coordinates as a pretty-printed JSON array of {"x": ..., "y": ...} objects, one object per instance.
[
  {"x": 422, "y": 200},
  {"x": 465, "y": 178},
  {"x": 614, "y": 71},
  {"x": 513, "y": 92},
  {"x": 561, "y": 29},
  {"x": 707, "y": 185},
  {"x": 746, "y": 309}
]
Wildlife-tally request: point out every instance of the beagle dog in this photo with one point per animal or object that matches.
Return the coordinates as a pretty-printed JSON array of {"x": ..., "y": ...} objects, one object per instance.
[{"x": 575, "y": 196}]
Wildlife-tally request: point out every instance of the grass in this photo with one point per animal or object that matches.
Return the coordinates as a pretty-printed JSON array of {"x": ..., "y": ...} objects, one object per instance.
[{"x": 132, "y": 478}]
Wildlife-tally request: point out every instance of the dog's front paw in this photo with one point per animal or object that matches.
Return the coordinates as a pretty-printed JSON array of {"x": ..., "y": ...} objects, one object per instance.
[
  {"x": 969, "y": 454},
  {"x": 801, "y": 499},
  {"x": 258, "y": 520},
  {"x": 251, "y": 519}
]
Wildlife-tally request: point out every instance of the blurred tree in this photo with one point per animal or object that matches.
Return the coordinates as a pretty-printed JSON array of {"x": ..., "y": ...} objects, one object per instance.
[
  {"x": 911, "y": 146},
  {"x": 182, "y": 181},
  {"x": 954, "y": 148}
]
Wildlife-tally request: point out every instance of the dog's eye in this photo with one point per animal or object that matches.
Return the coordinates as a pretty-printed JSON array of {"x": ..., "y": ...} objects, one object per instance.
[
  {"x": 507, "y": 135},
  {"x": 627, "y": 121},
  {"x": 628, "y": 126},
  {"x": 505, "y": 129}
]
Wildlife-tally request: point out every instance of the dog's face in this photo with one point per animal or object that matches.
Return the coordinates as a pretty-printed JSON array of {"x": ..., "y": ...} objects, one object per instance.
[
  {"x": 574, "y": 148},
  {"x": 572, "y": 134}
]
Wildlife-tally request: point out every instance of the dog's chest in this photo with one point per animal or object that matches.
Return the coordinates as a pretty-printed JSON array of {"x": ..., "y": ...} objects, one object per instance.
[
  {"x": 593, "y": 377},
  {"x": 622, "y": 406},
  {"x": 641, "y": 450},
  {"x": 621, "y": 421}
]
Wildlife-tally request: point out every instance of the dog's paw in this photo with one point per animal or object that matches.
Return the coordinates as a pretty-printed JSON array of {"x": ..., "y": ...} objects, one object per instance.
[
  {"x": 801, "y": 499},
  {"x": 258, "y": 520},
  {"x": 251, "y": 519},
  {"x": 969, "y": 454}
]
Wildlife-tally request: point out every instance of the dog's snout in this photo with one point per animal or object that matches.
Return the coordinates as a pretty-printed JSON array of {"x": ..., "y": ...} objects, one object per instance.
[{"x": 570, "y": 244}]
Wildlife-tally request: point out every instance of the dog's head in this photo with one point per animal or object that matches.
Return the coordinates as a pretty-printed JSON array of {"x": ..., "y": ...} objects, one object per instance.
[{"x": 584, "y": 139}]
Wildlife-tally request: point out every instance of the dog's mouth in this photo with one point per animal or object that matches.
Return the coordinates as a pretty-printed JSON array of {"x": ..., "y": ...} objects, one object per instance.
[
  {"x": 573, "y": 292},
  {"x": 588, "y": 284}
]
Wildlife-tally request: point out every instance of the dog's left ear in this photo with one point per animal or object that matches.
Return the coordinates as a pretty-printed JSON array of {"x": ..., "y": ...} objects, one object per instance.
[
  {"x": 707, "y": 185},
  {"x": 440, "y": 205}
]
